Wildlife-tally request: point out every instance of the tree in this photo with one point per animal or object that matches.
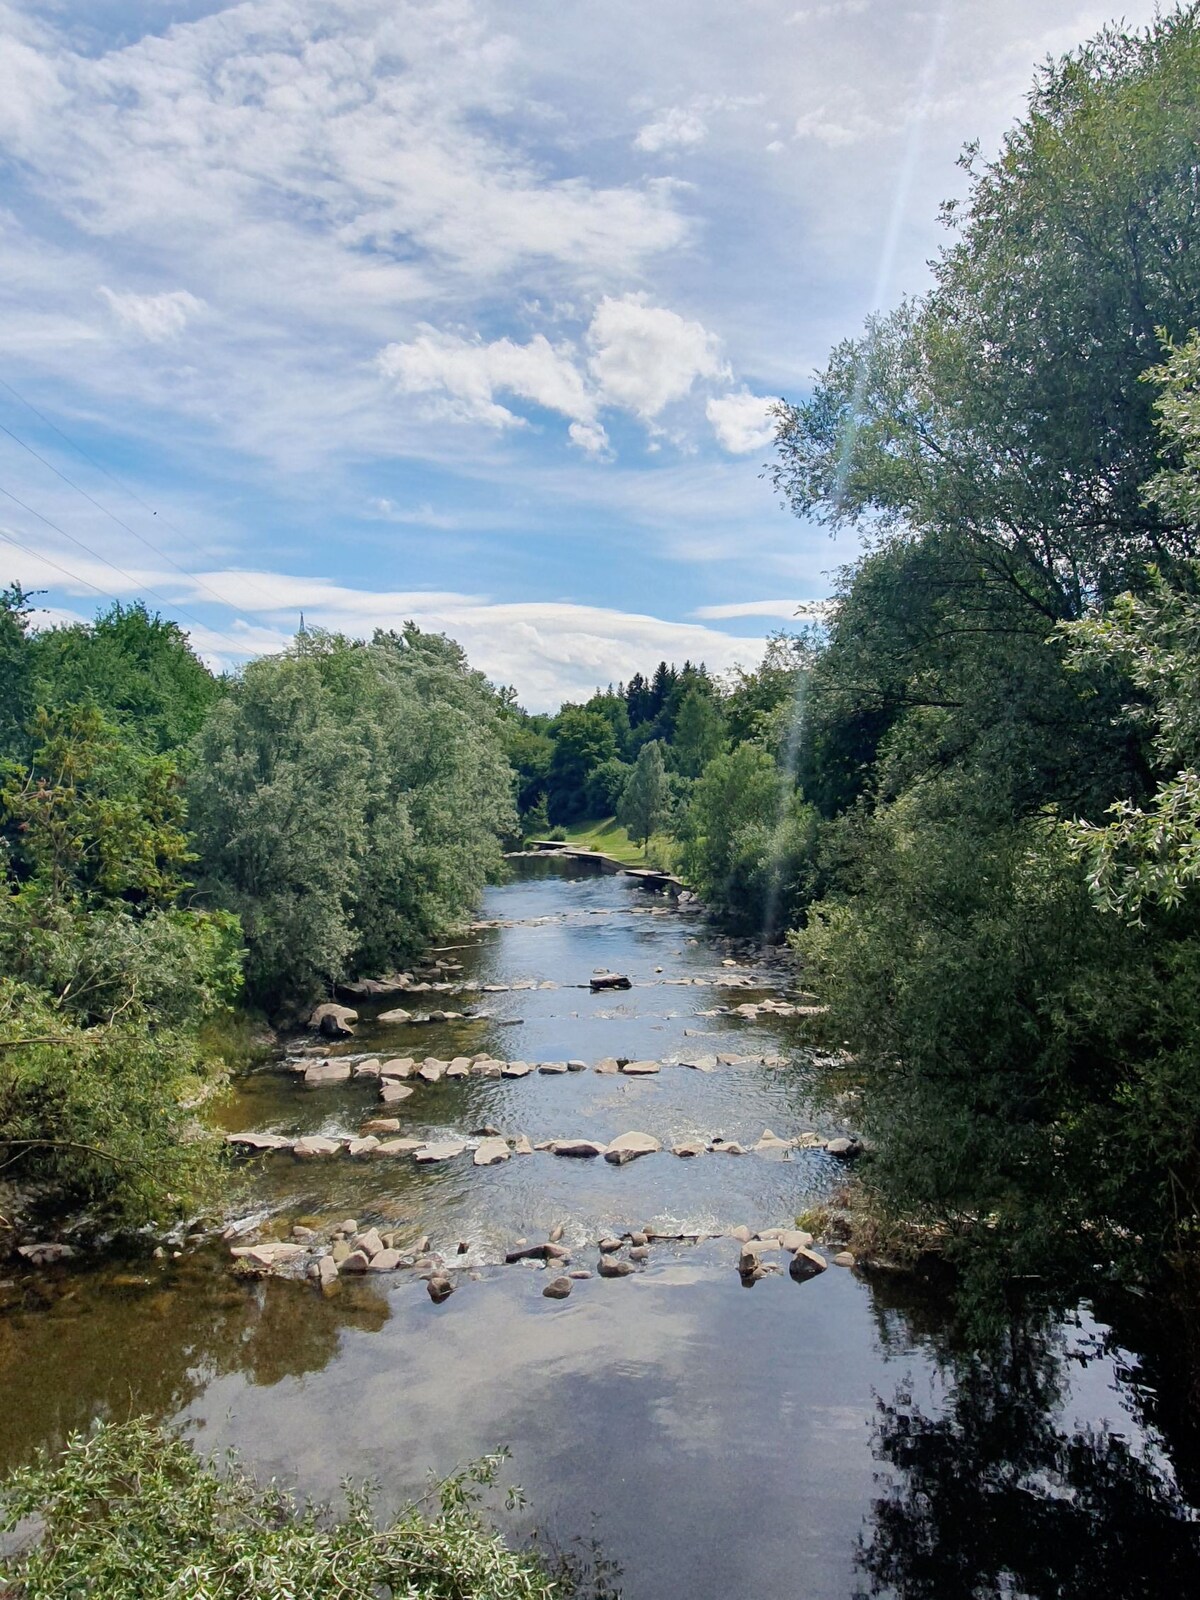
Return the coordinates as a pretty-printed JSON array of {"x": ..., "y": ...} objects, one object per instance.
[
  {"x": 583, "y": 740},
  {"x": 348, "y": 800},
  {"x": 644, "y": 801},
  {"x": 699, "y": 733},
  {"x": 137, "y": 669},
  {"x": 605, "y": 786}
]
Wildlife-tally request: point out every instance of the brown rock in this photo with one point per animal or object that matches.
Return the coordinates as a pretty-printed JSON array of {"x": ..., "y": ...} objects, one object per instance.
[{"x": 557, "y": 1289}]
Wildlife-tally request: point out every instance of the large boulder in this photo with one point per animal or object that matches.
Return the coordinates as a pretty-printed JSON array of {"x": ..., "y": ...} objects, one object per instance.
[
  {"x": 628, "y": 1146},
  {"x": 332, "y": 1020},
  {"x": 397, "y": 1015}
]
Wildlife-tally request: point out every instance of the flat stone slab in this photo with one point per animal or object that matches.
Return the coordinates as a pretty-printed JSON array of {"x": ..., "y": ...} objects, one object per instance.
[
  {"x": 628, "y": 1146},
  {"x": 268, "y": 1255},
  {"x": 321, "y": 1073},
  {"x": 379, "y": 1125},
  {"x": 391, "y": 1091},
  {"x": 445, "y": 1151},
  {"x": 690, "y": 1147},
  {"x": 398, "y": 1014},
  {"x": 577, "y": 1147},
  {"x": 363, "y": 1146},
  {"x": 313, "y": 1147},
  {"x": 432, "y": 1071},
  {"x": 398, "y": 1147},
  {"x": 385, "y": 1261},
  {"x": 398, "y": 1067},
  {"x": 516, "y": 1069},
  {"x": 491, "y": 1152},
  {"x": 460, "y": 1067},
  {"x": 552, "y": 1067},
  {"x": 640, "y": 1069},
  {"x": 609, "y": 1064},
  {"x": 365, "y": 1069},
  {"x": 258, "y": 1141}
]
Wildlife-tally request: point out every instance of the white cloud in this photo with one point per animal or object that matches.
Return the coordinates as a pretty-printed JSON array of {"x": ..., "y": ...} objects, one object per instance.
[
  {"x": 590, "y": 437},
  {"x": 469, "y": 373},
  {"x": 643, "y": 356},
  {"x": 751, "y": 608},
  {"x": 742, "y": 422},
  {"x": 155, "y": 317},
  {"x": 676, "y": 129}
]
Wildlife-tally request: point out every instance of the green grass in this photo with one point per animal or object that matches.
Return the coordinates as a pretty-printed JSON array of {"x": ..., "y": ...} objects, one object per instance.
[{"x": 607, "y": 836}]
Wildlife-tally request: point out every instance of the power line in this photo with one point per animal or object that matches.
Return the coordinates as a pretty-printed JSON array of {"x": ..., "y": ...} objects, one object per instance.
[
  {"x": 121, "y": 484},
  {"x": 120, "y": 524},
  {"x": 120, "y": 571},
  {"x": 66, "y": 572}
]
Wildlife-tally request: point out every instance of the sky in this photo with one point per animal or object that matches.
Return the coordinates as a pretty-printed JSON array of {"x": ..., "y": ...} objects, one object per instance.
[{"x": 459, "y": 311}]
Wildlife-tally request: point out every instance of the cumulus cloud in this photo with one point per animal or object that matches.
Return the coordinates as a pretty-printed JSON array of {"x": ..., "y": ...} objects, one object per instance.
[
  {"x": 469, "y": 373},
  {"x": 676, "y": 129},
  {"x": 154, "y": 317},
  {"x": 644, "y": 357},
  {"x": 742, "y": 422}
]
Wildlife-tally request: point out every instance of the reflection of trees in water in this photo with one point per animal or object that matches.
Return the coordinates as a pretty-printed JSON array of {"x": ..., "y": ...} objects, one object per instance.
[
  {"x": 112, "y": 1351},
  {"x": 999, "y": 1495}
]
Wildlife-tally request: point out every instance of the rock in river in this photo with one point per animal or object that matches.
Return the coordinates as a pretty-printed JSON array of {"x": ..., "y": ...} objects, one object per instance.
[
  {"x": 491, "y": 1152},
  {"x": 323, "y": 1072},
  {"x": 640, "y": 1069},
  {"x": 391, "y": 1092},
  {"x": 397, "y": 1015},
  {"x": 628, "y": 1146},
  {"x": 333, "y": 1020},
  {"x": 440, "y": 1288},
  {"x": 313, "y": 1146},
  {"x": 445, "y": 1151},
  {"x": 806, "y": 1264},
  {"x": 557, "y": 1289},
  {"x": 614, "y": 1267},
  {"x": 610, "y": 980},
  {"x": 577, "y": 1147}
]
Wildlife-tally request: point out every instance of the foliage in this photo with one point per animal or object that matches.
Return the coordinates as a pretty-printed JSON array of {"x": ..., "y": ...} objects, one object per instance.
[
  {"x": 347, "y": 801},
  {"x": 604, "y": 787},
  {"x": 132, "y": 1512},
  {"x": 136, "y": 669},
  {"x": 584, "y": 740},
  {"x": 747, "y": 840},
  {"x": 91, "y": 817},
  {"x": 699, "y": 733},
  {"x": 644, "y": 800}
]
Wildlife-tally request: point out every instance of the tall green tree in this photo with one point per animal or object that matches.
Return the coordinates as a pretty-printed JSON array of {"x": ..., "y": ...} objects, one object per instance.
[{"x": 643, "y": 806}]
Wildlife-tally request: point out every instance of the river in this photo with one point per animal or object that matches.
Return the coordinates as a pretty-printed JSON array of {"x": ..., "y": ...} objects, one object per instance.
[{"x": 821, "y": 1439}]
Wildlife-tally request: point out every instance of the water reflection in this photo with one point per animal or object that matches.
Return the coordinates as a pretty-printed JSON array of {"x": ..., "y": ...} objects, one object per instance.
[{"x": 1003, "y": 1489}]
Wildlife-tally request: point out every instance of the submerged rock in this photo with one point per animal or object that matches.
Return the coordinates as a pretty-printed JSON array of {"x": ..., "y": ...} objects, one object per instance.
[{"x": 557, "y": 1289}]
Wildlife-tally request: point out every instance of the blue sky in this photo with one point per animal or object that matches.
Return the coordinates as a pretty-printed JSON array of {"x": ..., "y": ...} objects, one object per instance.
[{"x": 459, "y": 311}]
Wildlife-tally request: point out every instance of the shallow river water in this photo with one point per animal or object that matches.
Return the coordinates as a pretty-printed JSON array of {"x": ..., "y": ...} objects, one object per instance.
[{"x": 817, "y": 1439}]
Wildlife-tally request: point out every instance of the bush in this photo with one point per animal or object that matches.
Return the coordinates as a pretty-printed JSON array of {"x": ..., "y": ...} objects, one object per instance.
[{"x": 131, "y": 1512}]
